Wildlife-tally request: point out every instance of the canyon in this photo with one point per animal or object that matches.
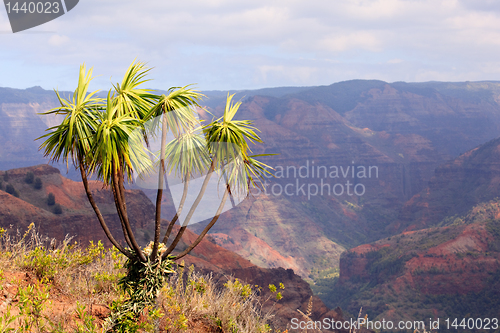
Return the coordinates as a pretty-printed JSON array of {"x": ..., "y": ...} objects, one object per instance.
[{"x": 435, "y": 152}]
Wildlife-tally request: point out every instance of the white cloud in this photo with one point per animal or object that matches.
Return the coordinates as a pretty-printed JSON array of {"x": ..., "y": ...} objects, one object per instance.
[
  {"x": 395, "y": 61},
  {"x": 58, "y": 40},
  {"x": 223, "y": 44}
]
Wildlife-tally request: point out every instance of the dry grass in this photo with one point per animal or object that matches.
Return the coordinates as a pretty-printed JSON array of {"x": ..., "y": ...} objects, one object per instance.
[{"x": 49, "y": 286}]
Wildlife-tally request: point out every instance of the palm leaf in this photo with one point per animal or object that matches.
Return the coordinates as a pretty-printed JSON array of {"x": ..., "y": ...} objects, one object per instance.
[{"x": 73, "y": 138}]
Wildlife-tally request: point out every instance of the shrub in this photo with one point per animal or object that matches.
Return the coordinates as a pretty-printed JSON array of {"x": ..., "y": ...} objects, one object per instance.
[
  {"x": 1, "y": 185},
  {"x": 92, "y": 275},
  {"x": 234, "y": 308},
  {"x": 57, "y": 209},
  {"x": 30, "y": 178},
  {"x": 11, "y": 190},
  {"x": 51, "y": 199},
  {"x": 38, "y": 183},
  {"x": 6, "y": 176}
]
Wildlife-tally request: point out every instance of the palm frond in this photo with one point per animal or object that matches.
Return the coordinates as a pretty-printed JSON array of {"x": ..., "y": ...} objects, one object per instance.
[{"x": 74, "y": 136}]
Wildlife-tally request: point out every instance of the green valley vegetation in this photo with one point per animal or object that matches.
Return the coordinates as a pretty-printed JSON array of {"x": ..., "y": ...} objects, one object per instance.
[
  {"x": 38, "y": 183},
  {"x": 104, "y": 137},
  {"x": 57, "y": 209}
]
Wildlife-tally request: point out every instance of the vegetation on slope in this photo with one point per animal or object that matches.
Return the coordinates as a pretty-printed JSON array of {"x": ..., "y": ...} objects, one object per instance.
[
  {"x": 450, "y": 271},
  {"x": 61, "y": 287}
]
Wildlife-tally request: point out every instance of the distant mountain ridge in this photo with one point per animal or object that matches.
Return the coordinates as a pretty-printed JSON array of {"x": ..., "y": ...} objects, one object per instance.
[{"x": 406, "y": 130}]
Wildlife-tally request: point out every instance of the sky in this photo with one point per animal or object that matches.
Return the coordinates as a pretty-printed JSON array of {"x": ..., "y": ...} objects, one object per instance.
[{"x": 250, "y": 44}]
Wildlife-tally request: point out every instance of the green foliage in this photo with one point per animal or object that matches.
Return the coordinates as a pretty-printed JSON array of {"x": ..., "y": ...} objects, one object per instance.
[
  {"x": 11, "y": 190},
  {"x": 32, "y": 302},
  {"x": 57, "y": 209},
  {"x": 6, "y": 320},
  {"x": 51, "y": 199},
  {"x": 38, "y": 183},
  {"x": 244, "y": 290},
  {"x": 141, "y": 285},
  {"x": 1, "y": 185},
  {"x": 493, "y": 227},
  {"x": 46, "y": 264},
  {"x": 6, "y": 176},
  {"x": 29, "y": 178},
  {"x": 87, "y": 324}
]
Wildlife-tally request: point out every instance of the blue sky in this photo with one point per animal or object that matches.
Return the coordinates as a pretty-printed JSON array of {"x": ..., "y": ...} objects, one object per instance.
[{"x": 248, "y": 44}]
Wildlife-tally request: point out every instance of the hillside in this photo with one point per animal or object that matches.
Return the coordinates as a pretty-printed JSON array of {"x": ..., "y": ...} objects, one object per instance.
[
  {"x": 404, "y": 131},
  {"x": 327, "y": 126},
  {"x": 456, "y": 187},
  {"x": 77, "y": 220},
  {"x": 448, "y": 271},
  {"x": 443, "y": 256},
  {"x": 31, "y": 206}
]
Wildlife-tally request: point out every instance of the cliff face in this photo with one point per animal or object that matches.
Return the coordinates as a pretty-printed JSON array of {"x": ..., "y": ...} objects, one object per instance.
[
  {"x": 21, "y": 123},
  {"x": 404, "y": 131},
  {"x": 448, "y": 270},
  {"x": 32, "y": 206},
  {"x": 456, "y": 187},
  {"x": 301, "y": 231}
]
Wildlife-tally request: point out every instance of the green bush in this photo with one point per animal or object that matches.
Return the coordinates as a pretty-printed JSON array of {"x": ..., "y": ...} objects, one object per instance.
[
  {"x": 57, "y": 209},
  {"x": 92, "y": 274},
  {"x": 38, "y": 183},
  {"x": 30, "y": 178},
  {"x": 6, "y": 176},
  {"x": 46, "y": 264},
  {"x": 11, "y": 190},
  {"x": 51, "y": 199}
]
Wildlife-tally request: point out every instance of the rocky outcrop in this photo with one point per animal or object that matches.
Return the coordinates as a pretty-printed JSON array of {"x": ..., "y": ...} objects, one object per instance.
[
  {"x": 456, "y": 187},
  {"x": 440, "y": 268},
  {"x": 32, "y": 206}
]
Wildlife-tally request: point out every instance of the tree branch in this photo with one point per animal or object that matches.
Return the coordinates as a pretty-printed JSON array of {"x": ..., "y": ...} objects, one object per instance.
[
  {"x": 159, "y": 195},
  {"x": 208, "y": 227},
  {"x": 191, "y": 211},
  {"x": 119, "y": 195},
  {"x": 125, "y": 233},
  {"x": 179, "y": 210},
  {"x": 99, "y": 215}
]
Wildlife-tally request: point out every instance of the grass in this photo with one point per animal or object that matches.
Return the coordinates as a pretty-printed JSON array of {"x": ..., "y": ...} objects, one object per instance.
[{"x": 51, "y": 286}]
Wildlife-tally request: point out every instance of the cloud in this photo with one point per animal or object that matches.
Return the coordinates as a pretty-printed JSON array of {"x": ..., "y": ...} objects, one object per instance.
[
  {"x": 222, "y": 44},
  {"x": 58, "y": 40}
]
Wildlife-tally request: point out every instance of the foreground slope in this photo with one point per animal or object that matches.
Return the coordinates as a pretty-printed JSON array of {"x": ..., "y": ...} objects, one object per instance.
[{"x": 77, "y": 220}]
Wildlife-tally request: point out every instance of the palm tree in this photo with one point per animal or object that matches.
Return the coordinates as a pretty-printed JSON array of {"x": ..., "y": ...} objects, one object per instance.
[{"x": 110, "y": 138}]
